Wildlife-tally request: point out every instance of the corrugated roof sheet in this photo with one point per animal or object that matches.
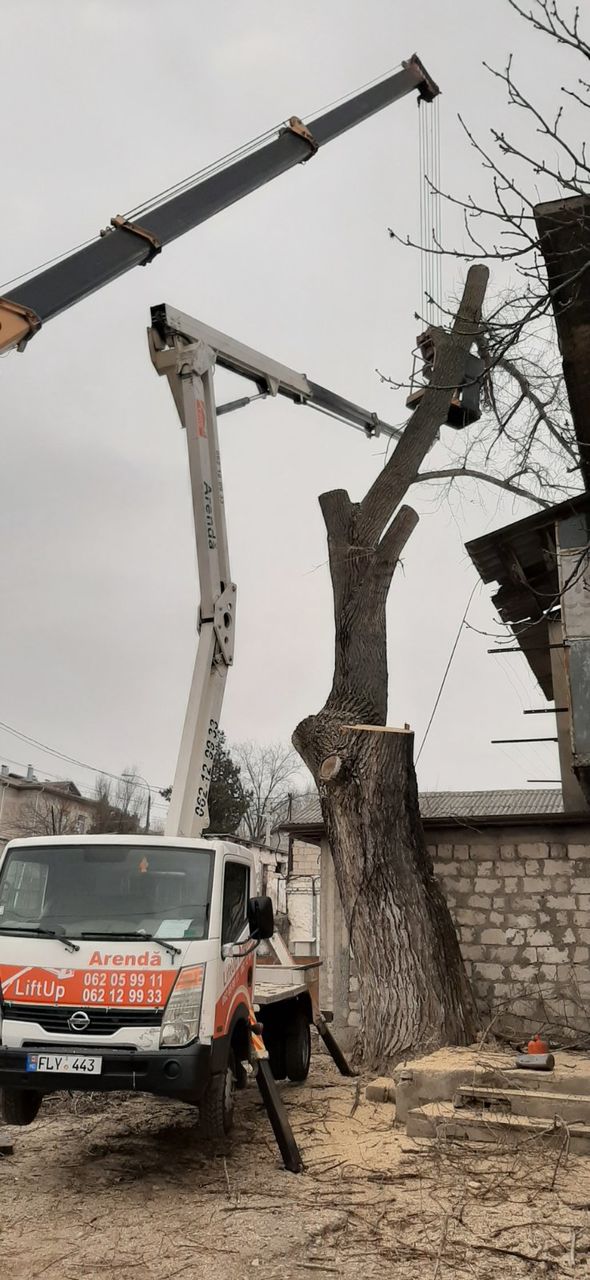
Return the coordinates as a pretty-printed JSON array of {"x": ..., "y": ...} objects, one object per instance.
[
  {"x": 490, "y": 804},
  {"x": 306, "y": 810}
]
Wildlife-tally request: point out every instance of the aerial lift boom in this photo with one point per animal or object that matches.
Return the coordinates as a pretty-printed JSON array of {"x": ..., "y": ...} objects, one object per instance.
[
  {"x": 186, "y": 352},
  {"x": 135, "y": 240}
]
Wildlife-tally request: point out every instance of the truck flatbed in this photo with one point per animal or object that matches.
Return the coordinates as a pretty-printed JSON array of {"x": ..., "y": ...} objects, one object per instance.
[{"x": 284, "y": 981}]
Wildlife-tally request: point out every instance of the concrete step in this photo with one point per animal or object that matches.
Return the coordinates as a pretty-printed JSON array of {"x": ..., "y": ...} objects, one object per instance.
[
  {"x": 571, "y": 1107},
  {"x": 437, "y": 1076},
  {"x": 442, "y": 1120}
]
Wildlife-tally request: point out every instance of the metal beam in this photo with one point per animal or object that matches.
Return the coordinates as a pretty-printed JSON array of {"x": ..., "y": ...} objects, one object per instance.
[
  {"x": 532, "y": 648},
  {"x": 500, "y": 741},
  {"x": 545, "y": 711},
  {"x": 126, "y": 244},
  {"x": 268, "y": 374}
]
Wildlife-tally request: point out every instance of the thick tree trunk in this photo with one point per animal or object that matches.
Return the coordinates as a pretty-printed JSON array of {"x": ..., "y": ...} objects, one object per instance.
[{"x": 413, "y": 988}]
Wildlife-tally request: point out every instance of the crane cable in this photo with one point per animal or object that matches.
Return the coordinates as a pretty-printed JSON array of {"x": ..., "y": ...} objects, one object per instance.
[{"x": 431, "y": 284}]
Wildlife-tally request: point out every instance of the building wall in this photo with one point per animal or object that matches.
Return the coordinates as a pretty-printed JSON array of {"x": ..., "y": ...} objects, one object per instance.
[
  {"x": 303, "y": 899},
  {"x": 17, "y": 808},
  {"x": 520, "y": 899}
]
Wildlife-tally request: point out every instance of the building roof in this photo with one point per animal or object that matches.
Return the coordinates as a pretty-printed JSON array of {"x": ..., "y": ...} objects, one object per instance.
[
  {"x": 65, "y": 788},
  {"x": 449, "y": 807},
  {"x": 522, "y": 558}
]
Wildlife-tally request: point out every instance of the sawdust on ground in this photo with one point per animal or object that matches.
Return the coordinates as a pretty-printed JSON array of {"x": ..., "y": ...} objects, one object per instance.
[{"x": 123, "y": 1186}]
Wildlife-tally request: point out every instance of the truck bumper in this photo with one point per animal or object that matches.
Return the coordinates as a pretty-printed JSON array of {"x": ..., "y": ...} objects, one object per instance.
[{"x": 173, "y": 1073}]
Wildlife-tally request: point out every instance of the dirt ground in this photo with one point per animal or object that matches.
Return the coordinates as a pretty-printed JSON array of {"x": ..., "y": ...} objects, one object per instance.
[{"x": 124, "y": 1187}]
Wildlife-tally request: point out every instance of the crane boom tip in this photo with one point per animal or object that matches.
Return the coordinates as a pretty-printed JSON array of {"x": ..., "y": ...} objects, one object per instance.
[{"x": 426, "y": 86}]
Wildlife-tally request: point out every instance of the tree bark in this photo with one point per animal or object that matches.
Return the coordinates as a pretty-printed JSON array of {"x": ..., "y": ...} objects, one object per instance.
[{"x": 413, "y": 989}]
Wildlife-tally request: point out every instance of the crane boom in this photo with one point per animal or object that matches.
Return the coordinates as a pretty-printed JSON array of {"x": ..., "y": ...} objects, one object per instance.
[{"x": 126, "y": 244}]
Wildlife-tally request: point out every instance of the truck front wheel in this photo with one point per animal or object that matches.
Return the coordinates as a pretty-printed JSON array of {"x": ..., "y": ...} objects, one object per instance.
[
  {"x": 298, "y": 1047},
  {"x": 19, "y": 1106},
  {"x": 216, "y": 1111}
]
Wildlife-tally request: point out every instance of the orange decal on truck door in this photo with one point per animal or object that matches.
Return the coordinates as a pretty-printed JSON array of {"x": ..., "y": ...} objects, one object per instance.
[
  {"x": 128, "y": 988},
  {"x": 238, "y": 990}
]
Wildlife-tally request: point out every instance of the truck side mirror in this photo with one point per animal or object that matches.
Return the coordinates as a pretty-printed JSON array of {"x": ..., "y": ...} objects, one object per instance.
[{"x": 261, "y": 918}]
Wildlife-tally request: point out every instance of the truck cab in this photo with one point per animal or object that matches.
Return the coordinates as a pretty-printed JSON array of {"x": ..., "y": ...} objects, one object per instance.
[{"x": 127, "y": 963}]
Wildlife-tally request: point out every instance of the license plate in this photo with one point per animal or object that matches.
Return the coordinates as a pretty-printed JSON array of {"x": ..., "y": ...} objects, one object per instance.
[{"x": 65, "y": 1063}]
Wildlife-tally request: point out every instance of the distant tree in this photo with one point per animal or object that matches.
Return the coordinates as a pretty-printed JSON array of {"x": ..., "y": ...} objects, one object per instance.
[
  {"x": 228, "y": 799},
  {"x": 118, "y": 805},
  {"x": 267, "y": 771}
]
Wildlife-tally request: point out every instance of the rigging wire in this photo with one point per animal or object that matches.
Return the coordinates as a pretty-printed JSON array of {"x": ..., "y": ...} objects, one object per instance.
[
  {"x": 42, "y": 266},
  {"x": 311, "y": 115},
  {"x": 208, "y": 171}
]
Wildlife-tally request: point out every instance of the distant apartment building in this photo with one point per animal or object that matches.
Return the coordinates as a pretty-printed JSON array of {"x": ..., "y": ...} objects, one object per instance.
[{"x": 32, "y": 806}]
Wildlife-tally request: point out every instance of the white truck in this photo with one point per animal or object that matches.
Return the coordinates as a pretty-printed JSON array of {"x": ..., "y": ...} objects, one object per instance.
[{"x": 128, "y": 963}]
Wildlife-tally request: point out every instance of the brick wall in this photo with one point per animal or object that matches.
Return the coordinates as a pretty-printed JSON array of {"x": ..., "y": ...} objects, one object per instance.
[
  {"x": 520, "y": 899},
  {"x": 522, "y": 911}
]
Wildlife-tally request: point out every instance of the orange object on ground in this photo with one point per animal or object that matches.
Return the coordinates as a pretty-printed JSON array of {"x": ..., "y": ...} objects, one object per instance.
[{"x": 536, "y": 1045}]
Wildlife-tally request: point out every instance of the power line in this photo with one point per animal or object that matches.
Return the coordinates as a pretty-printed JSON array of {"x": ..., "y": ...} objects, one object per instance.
[
  {"x": 447, "y": 669},
  {"x": 61, "y": 755}
]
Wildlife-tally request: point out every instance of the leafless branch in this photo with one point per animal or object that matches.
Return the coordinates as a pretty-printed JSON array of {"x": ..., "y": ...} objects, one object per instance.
[{"x": 467, "y": 473}]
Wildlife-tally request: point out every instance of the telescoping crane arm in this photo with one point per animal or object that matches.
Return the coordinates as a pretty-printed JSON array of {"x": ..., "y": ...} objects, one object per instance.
[
  {"x": 186, "y": 352},
  {"x": 128, "y": 243}
]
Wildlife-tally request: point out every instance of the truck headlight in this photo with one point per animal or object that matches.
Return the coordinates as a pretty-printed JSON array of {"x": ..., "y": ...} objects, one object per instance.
[{"x": 182, "y": 1014}]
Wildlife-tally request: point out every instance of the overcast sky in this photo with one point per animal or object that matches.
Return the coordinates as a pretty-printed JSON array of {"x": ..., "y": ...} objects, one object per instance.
[{"x": 108, "y": 102}]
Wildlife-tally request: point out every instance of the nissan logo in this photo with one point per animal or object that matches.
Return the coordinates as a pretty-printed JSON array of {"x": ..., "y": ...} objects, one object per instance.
[{"x": 79, "y": 1021}]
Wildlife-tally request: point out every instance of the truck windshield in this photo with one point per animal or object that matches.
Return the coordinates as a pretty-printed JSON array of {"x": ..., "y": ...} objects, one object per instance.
[{"x": 110, "y": 889}]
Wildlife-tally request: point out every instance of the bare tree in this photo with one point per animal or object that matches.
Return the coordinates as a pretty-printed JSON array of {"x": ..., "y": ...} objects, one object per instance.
[
  {"x": 50, "y": 815},
  {"x": 526, "y": 438},
  {"x": 119, "y": 804},
  {"x": 414, "y": 992},
  {"x": 266, "y": 772}
]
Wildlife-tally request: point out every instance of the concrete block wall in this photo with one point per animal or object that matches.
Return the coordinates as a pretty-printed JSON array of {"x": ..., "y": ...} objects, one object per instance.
[
  {"x": 303, "y": 899},
  {"x": 305, "y": 859},
  {"x": 520, "y": 899},
  {"x": 522, "y": 912}
]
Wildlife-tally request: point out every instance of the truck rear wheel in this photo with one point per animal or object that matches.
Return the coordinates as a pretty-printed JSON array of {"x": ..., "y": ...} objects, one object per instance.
[
  {"x": 19, "y": 1106},
  {"x": 298, "y": 1047},
  {"x": 216, "y": 1111},
  {"x": 276, "y": 1054}
]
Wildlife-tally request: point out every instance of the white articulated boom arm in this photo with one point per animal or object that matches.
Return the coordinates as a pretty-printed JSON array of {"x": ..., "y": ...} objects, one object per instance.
[
  {"x": 186, "y": 352},
  {"x": 189, "y": 368}
]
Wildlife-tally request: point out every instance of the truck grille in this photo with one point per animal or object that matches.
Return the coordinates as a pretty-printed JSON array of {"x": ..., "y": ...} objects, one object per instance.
[{"x": 103, "y": 1022}]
